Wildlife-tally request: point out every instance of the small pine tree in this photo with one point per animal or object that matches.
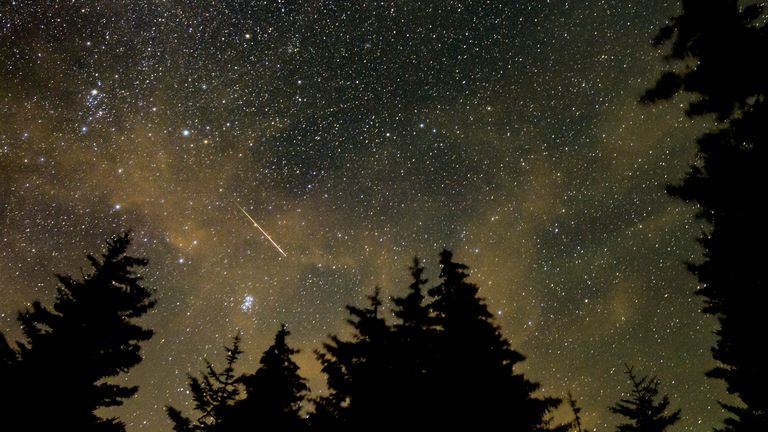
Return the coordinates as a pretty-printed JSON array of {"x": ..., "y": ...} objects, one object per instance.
[
  {"x": 276, "y": 392},
  {"x": 576, "y": 410},
  {"x": 642, "y": 408},
  {"x": 214, "y": 394},
  {"x": 61, "y": 369}
]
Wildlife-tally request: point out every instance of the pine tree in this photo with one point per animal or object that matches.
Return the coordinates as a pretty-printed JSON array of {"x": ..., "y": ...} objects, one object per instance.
[
  {"x": 214, "y": 395},
  {"x": 576, "y": 410},
  {"x": 411, "y": 343},
  {"x": 474, "y": 382},
  {"x": 444, "y": 365},
  {"x": 358, "y": 373},
  {"x": 411, "y": 310},
  {"x": 642, "y": 408},
  {"x": 716, "y": 54},
  {"x": 70, "y": 352},
  {"x": 275, "y": 393},
  {"x": 712, "y": 47}
]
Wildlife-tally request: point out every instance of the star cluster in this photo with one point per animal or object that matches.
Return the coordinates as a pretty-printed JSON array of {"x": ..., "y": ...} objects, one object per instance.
[{"x": 358, "y": 135}]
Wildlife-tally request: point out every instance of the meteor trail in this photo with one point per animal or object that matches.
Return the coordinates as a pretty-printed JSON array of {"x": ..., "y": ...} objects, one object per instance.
[{"x": 262, "y": 231}]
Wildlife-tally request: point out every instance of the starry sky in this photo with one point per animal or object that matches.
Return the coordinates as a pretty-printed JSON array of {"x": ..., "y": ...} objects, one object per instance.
[{"x": 358, "y": 134}]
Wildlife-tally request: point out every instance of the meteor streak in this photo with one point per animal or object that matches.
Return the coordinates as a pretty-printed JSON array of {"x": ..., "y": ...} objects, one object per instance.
[{"x": 260, "y": 229}]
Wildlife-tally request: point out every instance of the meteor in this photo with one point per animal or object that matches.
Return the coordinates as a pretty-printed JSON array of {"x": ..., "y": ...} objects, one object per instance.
[{"x": 260, "y": 229}]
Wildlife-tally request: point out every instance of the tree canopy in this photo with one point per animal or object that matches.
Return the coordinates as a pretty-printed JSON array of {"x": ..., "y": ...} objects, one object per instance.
[
  {"x": 441, "y": 364},
  {"x": 63, "y": 369},
  {"x": 715, "y": 53}
]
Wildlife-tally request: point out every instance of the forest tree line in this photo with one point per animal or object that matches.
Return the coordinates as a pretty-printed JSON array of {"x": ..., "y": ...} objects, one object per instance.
[{"x": 443, "y": 363}]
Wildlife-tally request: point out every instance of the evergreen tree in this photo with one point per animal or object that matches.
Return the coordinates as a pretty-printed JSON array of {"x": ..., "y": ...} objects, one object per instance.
[
  {"x": 358, "y": 372},
  {"x": 63, "y": 366},
  {"x": 442, "y": 365},
  {"x": 214, "y": 395},
  {"x": 716, "y": 53},
  {"x": 475, "y": 383},
  {"x": 411, "y": 354},
  {"x": 410, "y": 310},
  {"x": 712, "y": 55},
  {"x": 642, "y": 408},
  {"x": 576, "y": 410},
  {"x": 275, "y": 393}
]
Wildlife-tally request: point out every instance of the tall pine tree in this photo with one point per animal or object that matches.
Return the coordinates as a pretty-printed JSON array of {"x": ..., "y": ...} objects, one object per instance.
[
  {"x": 411, "y": 344},
  {"x": 716, "y": 53},
  {"x": 214, "y": 395},
  {"x": 442, "y": 365},
  {"x": 358, "y": 373},
  {"x": 275, "y": 393},
  {"x": 475, "y": 381},
  {"x": 62, "y": 369},
  {"x": 643, "y": 409}
]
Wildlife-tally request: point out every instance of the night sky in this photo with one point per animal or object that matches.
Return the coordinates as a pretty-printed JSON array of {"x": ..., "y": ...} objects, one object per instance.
[{"x": 358, "y": 134}]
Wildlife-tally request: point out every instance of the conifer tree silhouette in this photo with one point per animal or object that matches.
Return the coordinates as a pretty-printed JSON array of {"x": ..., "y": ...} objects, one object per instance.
[
  {"x": 411, "y": 310},
  {"x": 576, "y": 410},
  {"x": 475, "y": 381},
  {"x": 716, "y": 54},
  {"x": 444, "y": 365},
  {"x": 61, "y": 370},
  {"x": 275, "y": 393},
  {"x": 358, "y": 372},
  {"x": 411, "y": 354},
  {"x": 214, "y": 394},
  {"x": 642, "y": 408}
]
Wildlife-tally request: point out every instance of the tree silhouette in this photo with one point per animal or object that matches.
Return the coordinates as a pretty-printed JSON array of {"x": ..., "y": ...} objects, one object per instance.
[
  {"x": 712, "y": 47},
  {"x": 576, "y": 410},
  {"x": 61, "y": 370},
  {"x": 275, "y": 392},
  {"x": 412, "y": 354},
  {"x": 441, "y": 365},
  {"x": 358, "y": 372},
  {"x": 476, "y": 384},
  {"x": 214, "y": 395},
  {"x": 715, "y": 53},
  {"x": 644, "y": 412},
  {"x": 411, "y": 310}
]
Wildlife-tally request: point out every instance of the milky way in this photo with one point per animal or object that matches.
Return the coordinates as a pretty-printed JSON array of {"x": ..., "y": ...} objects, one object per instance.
[{"x": 358, "y": 135}]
